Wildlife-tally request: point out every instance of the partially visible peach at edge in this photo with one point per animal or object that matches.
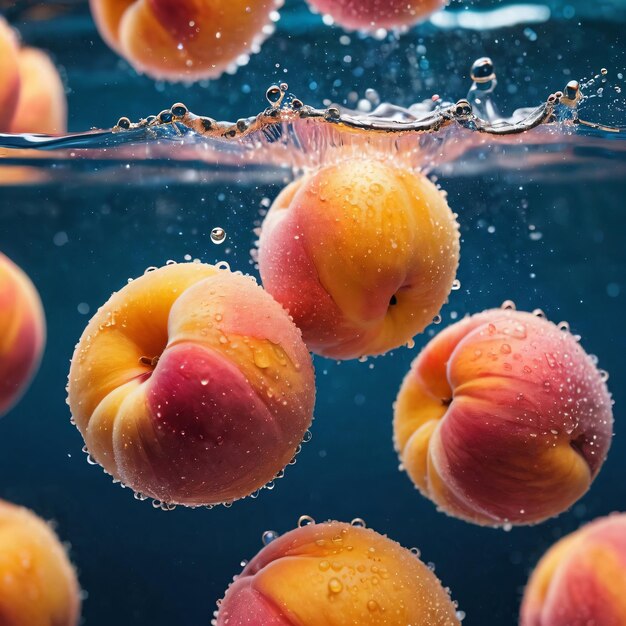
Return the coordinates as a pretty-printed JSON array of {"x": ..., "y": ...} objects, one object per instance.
[
  {"x": 183, "y": 40},
  {"x": 23, "y": 334},
  {"x": 32, "y": 96},
  {"x": 334, "y": 574},
  {"x": 38, "y": 585},
  {"x": 9, "y": 74},
  {"x": 41, "y": 106},
  {"x": 581, "y": 579}
]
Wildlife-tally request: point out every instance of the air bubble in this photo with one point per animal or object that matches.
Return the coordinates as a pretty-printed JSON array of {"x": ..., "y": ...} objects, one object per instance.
[
  {"x": 218, "y": 235},
  {"x": 358, "y": 523},
  {"x": 305, "y": 520},
  {"x": 269, "y": 536},
  {"x": 508, "y": 305}
]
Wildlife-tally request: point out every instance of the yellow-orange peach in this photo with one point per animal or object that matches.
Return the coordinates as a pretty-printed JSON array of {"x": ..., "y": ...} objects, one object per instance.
[
  {"x": 23, "y": 333},
  {"x": 581, "y": 580},
  {"x": 38, "y": 585},
  {"x": 183, "y": 39},
  {"x": 41, "y": 106},
  {"x": 192, "y": 386},
  {"x": 9, "y": 74},
  {"x": 336, "y": 574},
  {"x": 362, "y": 254},
  {"x": 32, "y": 97},
  {"x": 370, "y": 15},
  {"x": 503, "y": 418}
]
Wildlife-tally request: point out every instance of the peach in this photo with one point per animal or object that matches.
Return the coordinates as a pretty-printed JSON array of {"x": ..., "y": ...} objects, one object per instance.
[
  {"x": 192, "y": 386},
  {"x": 503, "y": 419},
  {"x": 370, "y": 15},
  {"x": 186, "y": 39},
  {"x": 9, "y": 74},
  {"x": 32, "y": 97},
  {"x": 362, "y": 254},
  {"x": 581, "y": 580},
  {"x": 334, "y": 574},
  {"x": 23, "y": 332},
  {"x": 38, "y": 585},
  {"x": 41, "y": 106}
]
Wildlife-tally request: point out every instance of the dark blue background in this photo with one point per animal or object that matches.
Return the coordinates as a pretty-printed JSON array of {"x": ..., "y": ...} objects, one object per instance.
[{"x": 143, "y": 566}]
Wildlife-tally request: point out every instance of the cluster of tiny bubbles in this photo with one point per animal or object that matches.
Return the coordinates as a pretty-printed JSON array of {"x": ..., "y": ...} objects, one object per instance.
[
  {"x": 305, "y": 520},
  {"x": 163, "y": 506},
  {"x": 218, "y": 235},
  {"x": 268, "y": 536}
]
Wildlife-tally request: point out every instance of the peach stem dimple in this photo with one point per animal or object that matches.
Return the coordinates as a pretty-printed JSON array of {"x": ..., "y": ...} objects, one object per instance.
[{"x": 146, "y": 360}]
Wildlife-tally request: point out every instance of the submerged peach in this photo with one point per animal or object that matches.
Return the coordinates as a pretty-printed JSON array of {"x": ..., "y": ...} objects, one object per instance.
[
  {"x": 23, "y": 333},
  {"x": 370, "y": 15},
  {"x": 192, "y": 386},
  {"x": 581, "y": 579},
  {"x": 503, "y": 418},
  {"x": 334, "y": 574},
  {"x": 362, "y": 254},
  {"x": 32, "y": 97},
  {"x": 183, "y": 40},
  {"x": 38, "y": 585}
]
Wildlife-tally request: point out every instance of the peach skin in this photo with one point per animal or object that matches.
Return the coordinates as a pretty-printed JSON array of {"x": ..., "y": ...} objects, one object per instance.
[
  {"x": 9, "y": 74},
  {"x": 370, "y": 15},
  {"x": 503, "y": 419},
  {"x": 335, "y": 574},
  {"x": 185, "y": 40},
  {"x": 581, "y": 580},
  {"x": 38, "y": 585},
  {"x": 23, "y": 332},
  {"x": 192, "y": 386},
  {"x": 362, "y": 254},
  {"x": 32, "y": 97}
]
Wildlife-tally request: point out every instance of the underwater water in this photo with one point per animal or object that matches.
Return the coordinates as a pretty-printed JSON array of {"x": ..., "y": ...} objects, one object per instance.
[{"x": 541, "y": 222}]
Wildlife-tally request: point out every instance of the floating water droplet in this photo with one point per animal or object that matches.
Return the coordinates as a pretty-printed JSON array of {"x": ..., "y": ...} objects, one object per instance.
[
  {"x": 269, "y": 536},
  {"x": 218, "y": 235}
]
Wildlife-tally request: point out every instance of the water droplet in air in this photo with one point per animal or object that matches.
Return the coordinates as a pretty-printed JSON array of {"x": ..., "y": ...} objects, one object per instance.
[
  {"x": 269, "y": 536},
  {"x": 218, "y": 235}
]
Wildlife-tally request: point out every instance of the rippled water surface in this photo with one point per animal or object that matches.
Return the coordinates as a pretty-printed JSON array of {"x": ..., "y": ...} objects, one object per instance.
[{"x": 542, "y": 222}]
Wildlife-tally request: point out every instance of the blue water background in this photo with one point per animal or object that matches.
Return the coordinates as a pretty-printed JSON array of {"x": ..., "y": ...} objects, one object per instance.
[{"x": 539, "y": 238}]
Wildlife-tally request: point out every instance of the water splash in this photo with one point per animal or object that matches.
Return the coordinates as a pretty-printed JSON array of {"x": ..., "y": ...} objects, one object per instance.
[{"x": 435, "y": 134}]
